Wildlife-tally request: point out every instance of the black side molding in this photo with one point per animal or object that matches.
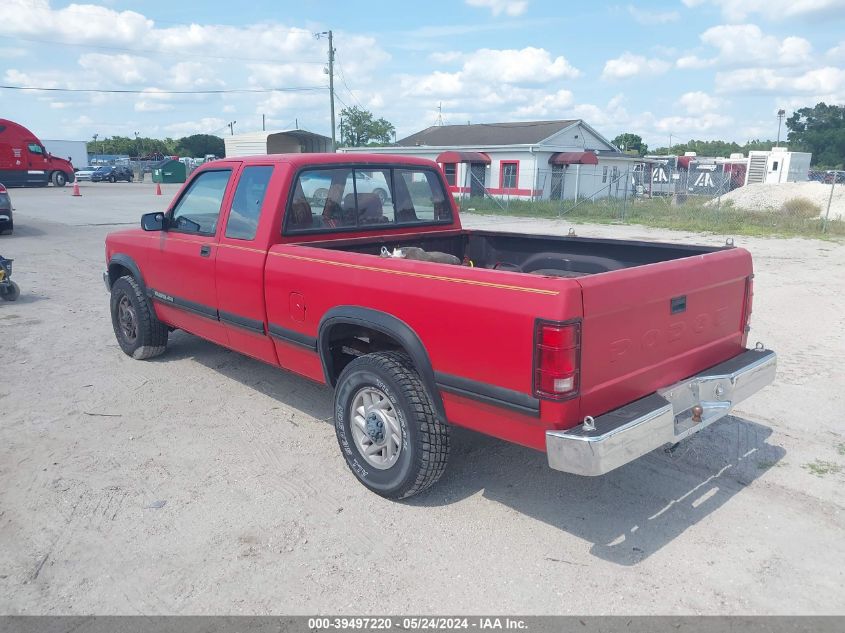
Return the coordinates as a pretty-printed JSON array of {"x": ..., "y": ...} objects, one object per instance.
[
  {"x": 253, "y": 325},
  {"x": 293, "y": 337},
  {"x": 489, "y": 394},
  {"x": 184, "y": 304}
]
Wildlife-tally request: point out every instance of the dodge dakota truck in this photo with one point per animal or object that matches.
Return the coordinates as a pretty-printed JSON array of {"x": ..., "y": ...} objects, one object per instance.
[{"x": 596, "y": 351}]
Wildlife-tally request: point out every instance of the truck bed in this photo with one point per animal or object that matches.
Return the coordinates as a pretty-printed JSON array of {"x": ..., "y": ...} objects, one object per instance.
[{"x": 563, "y": 256}]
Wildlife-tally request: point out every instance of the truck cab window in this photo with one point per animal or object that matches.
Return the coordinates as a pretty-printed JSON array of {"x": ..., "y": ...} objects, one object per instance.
[
  {"x": 199, "y": 207},
  {"x": 246, "y": 205},
  {"x": 35, "y": 148},
  {"x": 363, "y": 197}
]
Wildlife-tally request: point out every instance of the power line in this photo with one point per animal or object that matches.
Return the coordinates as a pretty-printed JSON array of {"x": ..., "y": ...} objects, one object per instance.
[
  {"x": 168, "y": 92},
  {"x": 345, "y": 85},
  {"x": 158, "y": 51}
]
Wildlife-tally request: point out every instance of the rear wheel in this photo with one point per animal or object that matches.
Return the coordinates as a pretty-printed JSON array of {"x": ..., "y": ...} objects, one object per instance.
[
  {"x": 112, "y": 179},
  {"x": 139, "y": 332},
  {"x": 11, "y": 292},
  {"x": 59, "y": 178},
  {"x": 386, "y": 426},
  {"x": 321, "y": 195},
  {"x": 382, "y": 195}
]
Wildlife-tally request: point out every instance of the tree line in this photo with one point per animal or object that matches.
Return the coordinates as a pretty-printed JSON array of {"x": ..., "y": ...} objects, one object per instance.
[
  {"x": 819, "y": 130},
  {"x": 196, "y": 145}
]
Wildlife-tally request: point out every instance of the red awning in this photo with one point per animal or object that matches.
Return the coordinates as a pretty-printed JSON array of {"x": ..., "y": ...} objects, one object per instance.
[
  {"x": 574, "y": 158},
  {"x": 463, "y": 157}
]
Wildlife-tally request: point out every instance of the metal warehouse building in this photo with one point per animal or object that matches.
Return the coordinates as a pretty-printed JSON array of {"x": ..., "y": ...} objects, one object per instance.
[{"x": 556, "y": 160}]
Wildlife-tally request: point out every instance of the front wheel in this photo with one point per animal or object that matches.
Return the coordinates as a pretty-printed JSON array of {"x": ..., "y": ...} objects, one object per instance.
[
  {"x": 387, "y": 428},
  {"x": 59, "y": 178},
  {"x": 139, "y": 332}
]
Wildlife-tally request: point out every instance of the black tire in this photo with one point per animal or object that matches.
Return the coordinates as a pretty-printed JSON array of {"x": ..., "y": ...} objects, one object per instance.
[
  {"x": 382, "y": 195},
  {"x": 150, "y": 334},
  {"x": 11, "y": 292},
  {"x": 9, "y": 229},
  {"x": 425, "y": 439},
  {"x": 112, "y": 179},
  {"x": 59, "y": 178},
  {"x": 321, "y": 195}
]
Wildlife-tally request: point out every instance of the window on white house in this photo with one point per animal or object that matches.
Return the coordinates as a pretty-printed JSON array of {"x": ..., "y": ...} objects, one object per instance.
[
  {"x": 509, "y": 175},
  {"x": 604, "y": 174},
  {"x": 451, "y": 172}
]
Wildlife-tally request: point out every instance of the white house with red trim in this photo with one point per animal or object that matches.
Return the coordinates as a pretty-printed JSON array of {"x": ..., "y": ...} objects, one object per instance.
[{"x": 555, "y": 160}]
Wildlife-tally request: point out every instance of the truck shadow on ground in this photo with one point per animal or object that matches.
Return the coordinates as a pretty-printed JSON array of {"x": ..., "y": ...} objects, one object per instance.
[{"x": 627, "y": 515}]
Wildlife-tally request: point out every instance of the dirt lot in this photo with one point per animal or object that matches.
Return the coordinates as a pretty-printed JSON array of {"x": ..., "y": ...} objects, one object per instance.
[{"x": 205, "y": 482}]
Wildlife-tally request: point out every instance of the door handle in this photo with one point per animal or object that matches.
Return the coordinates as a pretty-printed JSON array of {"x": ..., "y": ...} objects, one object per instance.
[{"x": 205, "y": 250}]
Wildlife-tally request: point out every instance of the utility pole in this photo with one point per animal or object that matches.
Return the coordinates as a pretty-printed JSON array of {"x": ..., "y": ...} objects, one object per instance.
[
  {"x": 781, "y": 114},
  {"x": 263, "y": 124},
  {"x": 330, "y": 73},
  {"x": 439, "y": 121}
]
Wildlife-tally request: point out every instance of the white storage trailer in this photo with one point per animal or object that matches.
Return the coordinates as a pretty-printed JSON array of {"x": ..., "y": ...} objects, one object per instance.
[{"x": 75, "y": 151}]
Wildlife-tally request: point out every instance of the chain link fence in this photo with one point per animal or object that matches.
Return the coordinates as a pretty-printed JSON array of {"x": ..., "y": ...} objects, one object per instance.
[{"x": 675, "y": 193}]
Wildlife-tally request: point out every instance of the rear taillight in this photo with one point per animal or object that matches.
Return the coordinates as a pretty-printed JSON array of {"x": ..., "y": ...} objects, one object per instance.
[
  {"x": 749, "y": 301},
  {"x": 557, "y": 360}
]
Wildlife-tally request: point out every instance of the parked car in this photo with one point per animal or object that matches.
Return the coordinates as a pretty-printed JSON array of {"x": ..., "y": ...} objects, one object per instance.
[
  {"x": 113, "y": 173},
  {"x": 7, "y": 223},
  {"x": 596, "y": 351},
  {"x": 834, "y": 176},
  {"x": 86, "y": 172}
]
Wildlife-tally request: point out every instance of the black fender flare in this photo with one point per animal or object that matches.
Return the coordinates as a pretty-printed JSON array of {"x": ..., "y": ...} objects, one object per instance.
[
  {"x": 386, "y": 324},
  {"x": 119, "y": 259}
]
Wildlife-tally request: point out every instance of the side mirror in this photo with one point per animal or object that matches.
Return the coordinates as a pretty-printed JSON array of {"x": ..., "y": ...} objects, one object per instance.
[{"x": 153, "y": 221}]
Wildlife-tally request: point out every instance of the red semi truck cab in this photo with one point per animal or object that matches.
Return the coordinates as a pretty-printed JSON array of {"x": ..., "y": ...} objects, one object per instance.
[
  {"x": 355, "y": 271},
  {"x": 24, "y": 161}
]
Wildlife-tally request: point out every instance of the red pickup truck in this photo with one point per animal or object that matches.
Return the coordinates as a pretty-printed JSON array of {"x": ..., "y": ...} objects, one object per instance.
[{"x": 596, "y": 351}]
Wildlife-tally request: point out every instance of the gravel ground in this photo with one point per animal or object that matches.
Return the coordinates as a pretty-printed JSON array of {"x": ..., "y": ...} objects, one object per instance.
[
  {"x": 763, "y": 197},
  {"x": 206, "y": 483}
]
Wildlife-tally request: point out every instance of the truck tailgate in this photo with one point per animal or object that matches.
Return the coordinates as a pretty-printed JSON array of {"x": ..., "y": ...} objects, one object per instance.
[{"x": 650, "y": 326}]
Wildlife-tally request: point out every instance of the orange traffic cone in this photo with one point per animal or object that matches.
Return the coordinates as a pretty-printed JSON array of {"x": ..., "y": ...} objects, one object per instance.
[
  {"x": 158, "y": 189},
  {"x": 76, "y": 189}
]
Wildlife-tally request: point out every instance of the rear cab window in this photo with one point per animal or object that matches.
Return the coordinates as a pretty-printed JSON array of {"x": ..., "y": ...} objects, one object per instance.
[{"x": 351, "y": 198}]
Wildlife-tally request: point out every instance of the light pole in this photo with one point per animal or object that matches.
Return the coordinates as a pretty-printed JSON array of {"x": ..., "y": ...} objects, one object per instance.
[
  {"x": 331, "y": 79},
  {"x": 781, "y": 114},
  {"x": 231, "y": 126},
  {"x": 95, "y": 144}
]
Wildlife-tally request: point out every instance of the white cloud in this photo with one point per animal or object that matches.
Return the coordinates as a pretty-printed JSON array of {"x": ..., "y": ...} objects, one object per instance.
[
  {"x": 486, "y": 72},
  {"x": 630, "y": 65},
  {"x": 698, "y": 101},
  {"x": 738, "y": 10},
  {"x": 652, "y": 17},
  {"x": 744, "y": 44},
  {"x": 119, "y": 69},
  {"x": 694, "y": 62},
  {"x": 204, "y": 125},
  {"x": 525, "y": 66},
  {"x": 550, "y": 105},
  {"x": 498, "y": 7},
  {"x": 828, "y": 81}
]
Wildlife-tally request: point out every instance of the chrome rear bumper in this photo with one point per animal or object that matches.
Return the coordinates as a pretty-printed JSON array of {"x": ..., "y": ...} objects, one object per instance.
[{"x": 664, "y": 417}]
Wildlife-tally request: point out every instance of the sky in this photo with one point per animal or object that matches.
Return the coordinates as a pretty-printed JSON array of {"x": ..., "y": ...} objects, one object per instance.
[{"x": 692, "y": 69}]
